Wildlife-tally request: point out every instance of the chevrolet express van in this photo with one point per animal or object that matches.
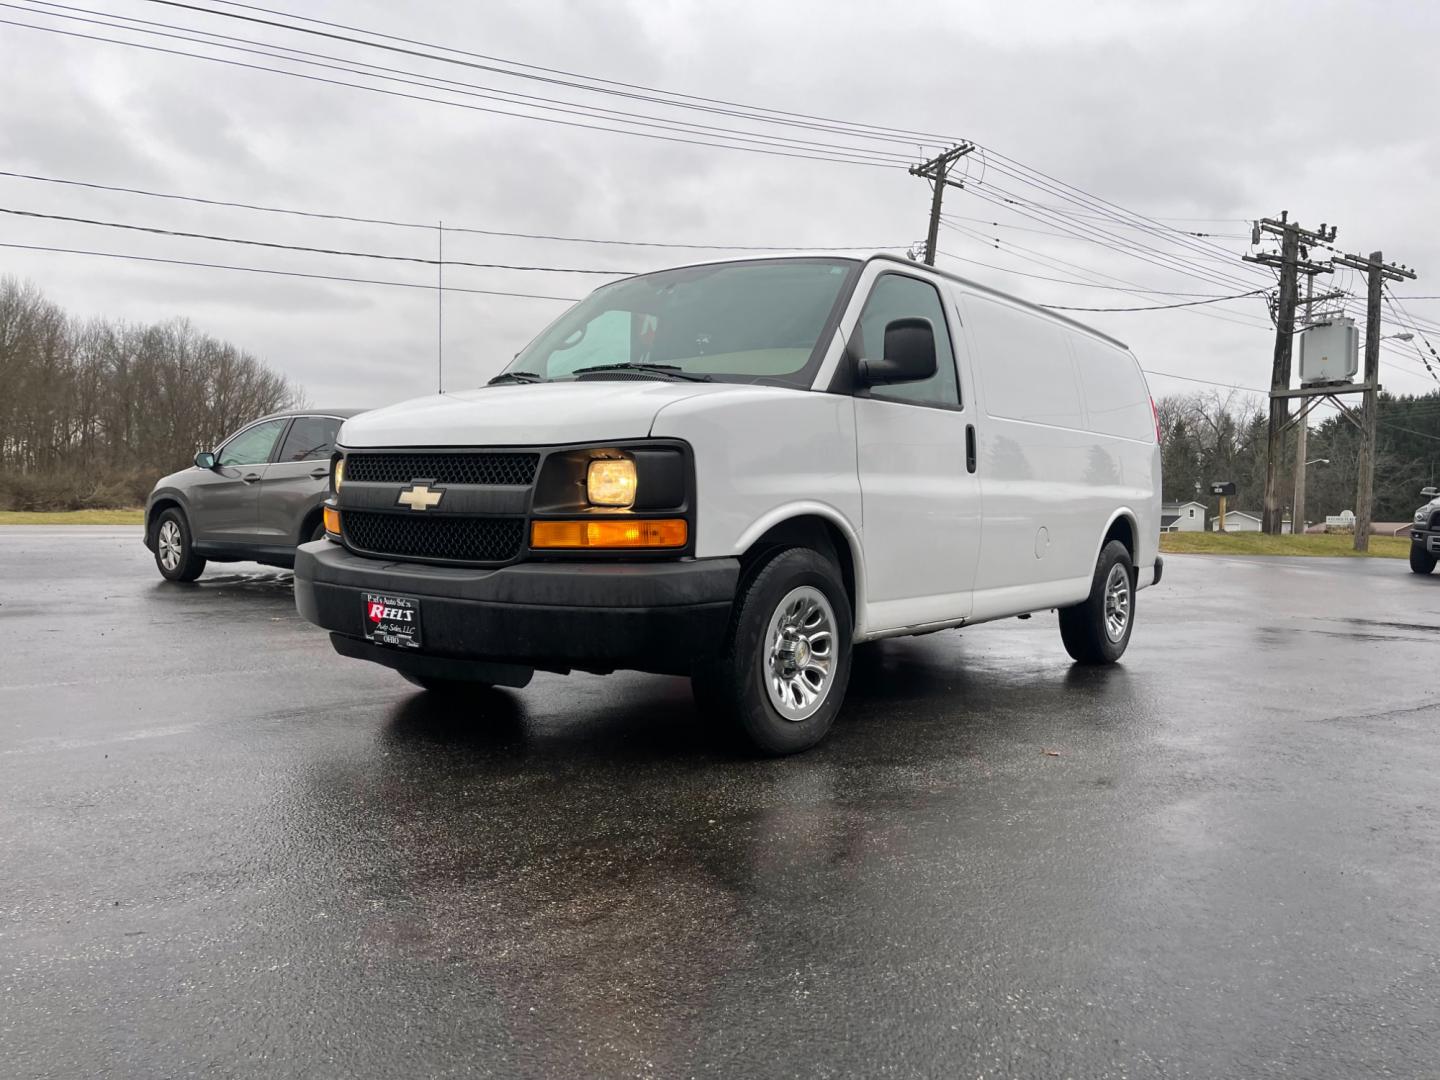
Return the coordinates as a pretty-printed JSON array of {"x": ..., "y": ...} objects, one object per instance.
[{"x": 737, "y": 471}]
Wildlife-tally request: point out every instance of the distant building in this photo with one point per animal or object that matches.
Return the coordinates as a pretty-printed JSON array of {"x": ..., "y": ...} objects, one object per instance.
[
  {"x": 1182, "y": 517},
  {"x": 1243, "y": 521}
]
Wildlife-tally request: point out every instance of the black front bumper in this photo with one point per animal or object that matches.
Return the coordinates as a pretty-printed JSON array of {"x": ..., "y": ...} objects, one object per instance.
[
  {"x": 1426, "y": 539},
  {"x": 660, "y": 617}
]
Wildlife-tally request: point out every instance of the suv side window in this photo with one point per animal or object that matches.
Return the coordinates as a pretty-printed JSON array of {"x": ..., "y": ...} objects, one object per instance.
[
  {"x": 311, "y": 438},
  {"x": 895, "y": 296},
  {"x": 253, "y": 445}
]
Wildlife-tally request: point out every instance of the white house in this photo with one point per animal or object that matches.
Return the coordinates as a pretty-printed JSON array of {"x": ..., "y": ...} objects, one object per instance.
[
  {"x": 1243, "y": 521},
  {"x": 1182, "y": 517}
]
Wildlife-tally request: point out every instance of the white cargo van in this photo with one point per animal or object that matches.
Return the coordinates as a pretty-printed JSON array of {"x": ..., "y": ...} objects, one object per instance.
[{"x": 737, "y": 471}]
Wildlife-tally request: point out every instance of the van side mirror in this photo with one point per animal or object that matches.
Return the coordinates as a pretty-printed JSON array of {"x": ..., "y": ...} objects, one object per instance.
[
  {"x": 909, "y": 354},
  {"x": 1429, "y": 492},
  {"x": 205, "y": 460}
]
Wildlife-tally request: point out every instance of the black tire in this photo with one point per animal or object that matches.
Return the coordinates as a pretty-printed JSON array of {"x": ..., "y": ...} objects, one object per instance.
[
  {"x": 1421, "y": 561},
  {"x": 447, "y": 687},
  {"x": 783, "y": 591},
  {"x": 1085, "y": 628},
  {"x": 175, "y": 556},
  {"x": 317, "y": 533}
]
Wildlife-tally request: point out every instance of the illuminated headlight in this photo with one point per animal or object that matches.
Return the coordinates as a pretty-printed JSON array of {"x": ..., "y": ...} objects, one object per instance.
[
  {"x": 611, "y": 482},
  {"x": 1422, "y": 514},
  {"x": 339, "y": 476}
]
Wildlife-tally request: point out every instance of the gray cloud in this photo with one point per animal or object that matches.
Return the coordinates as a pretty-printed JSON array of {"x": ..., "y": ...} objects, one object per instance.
[{"x": 1208, "y": 110}]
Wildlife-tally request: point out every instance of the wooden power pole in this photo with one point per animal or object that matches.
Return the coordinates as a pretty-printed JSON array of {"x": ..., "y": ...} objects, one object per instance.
[
  {"x": 1377, "y": 272},
  {"x": 937, "y": 171},
  {"x": 1292, "y": 261}
]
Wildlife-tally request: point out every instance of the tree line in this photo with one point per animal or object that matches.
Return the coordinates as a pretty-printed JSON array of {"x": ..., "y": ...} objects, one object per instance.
[
  {"x": 93, "y": 411},
  {"x": 1223, "y": 436}
]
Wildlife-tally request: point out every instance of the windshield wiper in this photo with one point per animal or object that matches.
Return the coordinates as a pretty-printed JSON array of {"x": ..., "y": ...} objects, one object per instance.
[
  {"x": 516, "y": 376},
  {"x": 673, "y": 371}
]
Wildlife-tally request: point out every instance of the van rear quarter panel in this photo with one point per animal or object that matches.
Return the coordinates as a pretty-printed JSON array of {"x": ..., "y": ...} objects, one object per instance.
[
  {"x": 764, "y": 454},
  {"x": 1063, "y": 452}
]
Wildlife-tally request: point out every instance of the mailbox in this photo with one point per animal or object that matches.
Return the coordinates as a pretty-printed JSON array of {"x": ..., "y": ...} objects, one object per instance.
[{"x": 1227, "y": 488}]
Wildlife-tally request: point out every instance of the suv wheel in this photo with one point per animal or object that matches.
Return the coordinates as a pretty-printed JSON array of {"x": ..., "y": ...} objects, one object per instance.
[
  {"x": 1421, "y": 561},
  {"x": 782, "y": 676},
  {"x": 174, "y": 553},
  {"x": 1097, "y": 629}
]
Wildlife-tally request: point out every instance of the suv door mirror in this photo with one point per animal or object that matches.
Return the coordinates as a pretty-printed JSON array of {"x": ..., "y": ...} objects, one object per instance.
[
  {"x": 1429, "y": 492},
  {"x": 205, "y": 460},
  {"x": 909, "y": 354}
]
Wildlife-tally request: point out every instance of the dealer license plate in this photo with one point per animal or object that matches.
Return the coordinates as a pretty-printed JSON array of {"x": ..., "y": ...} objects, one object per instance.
[{"x": 392, "y": 620}]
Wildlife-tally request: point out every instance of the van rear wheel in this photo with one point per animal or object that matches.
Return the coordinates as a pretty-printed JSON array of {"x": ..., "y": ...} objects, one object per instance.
[
  {"x": 1097, "y": 630},
  {"x": 782, "y": 676}
]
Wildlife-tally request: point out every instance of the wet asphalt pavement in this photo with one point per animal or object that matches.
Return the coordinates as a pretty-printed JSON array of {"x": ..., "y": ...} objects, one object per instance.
[{"x": 225, "y": 851}]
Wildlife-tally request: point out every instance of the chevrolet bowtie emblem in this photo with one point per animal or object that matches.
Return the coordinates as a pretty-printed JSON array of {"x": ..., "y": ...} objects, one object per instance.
[{"x": 420, "y": 497}]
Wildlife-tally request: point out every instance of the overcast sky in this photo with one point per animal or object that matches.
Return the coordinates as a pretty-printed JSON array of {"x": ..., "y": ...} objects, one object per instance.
[{"x": 1223, "y": 111}]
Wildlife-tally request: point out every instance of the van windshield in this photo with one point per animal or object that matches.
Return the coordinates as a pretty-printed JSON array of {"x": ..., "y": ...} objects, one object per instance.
[{"x": 730, "y": 322}]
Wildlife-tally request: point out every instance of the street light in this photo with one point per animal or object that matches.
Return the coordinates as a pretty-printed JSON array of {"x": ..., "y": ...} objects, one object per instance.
[
  {"x": 1403, "y": 336},
  {"x": 1318, "y": 461}
]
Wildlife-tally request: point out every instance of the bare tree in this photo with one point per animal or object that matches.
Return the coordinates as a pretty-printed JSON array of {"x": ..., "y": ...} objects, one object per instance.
[{"x": 92, "y": 412}]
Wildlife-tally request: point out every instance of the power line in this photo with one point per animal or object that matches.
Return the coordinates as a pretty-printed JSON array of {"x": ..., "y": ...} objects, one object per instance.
[
  {"x": 669, "y": 98},
  {"x": 1254, "y": 390},
  {"x": 433, "y": 82},
  {"x": 1158, "y": 307},
  {"x": 285, "y": 273},
  {"x": 839, "y": 159},
  {"x": 318, "y": 215},
  {"x": 1135, "y": 289},
  {"x": 299, "y": 247},
  {"x": 1023, "y": 228}
]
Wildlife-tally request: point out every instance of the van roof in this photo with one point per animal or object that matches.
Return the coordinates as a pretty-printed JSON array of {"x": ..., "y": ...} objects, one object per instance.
[
  {"x": 969, "y": 284},
  {"x": 870, "y": 255}
]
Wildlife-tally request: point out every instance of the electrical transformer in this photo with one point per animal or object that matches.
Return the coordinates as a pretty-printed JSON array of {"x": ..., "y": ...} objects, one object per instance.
[{"x": 1329, "y": 352}]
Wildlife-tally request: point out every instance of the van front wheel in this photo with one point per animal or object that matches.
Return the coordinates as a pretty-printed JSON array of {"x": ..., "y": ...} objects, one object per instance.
[
  {"x": 782, "y": 676},
  {"x": 1097, "y": 629}
]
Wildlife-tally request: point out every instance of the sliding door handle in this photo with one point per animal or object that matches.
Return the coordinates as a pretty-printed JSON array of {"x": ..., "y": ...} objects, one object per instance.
[{"x": 970, "y": 448}]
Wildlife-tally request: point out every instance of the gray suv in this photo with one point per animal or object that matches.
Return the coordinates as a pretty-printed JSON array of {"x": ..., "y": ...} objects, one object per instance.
[
  {"x": 1425, "y": 533},
  {"x": 254, "y": 499}
]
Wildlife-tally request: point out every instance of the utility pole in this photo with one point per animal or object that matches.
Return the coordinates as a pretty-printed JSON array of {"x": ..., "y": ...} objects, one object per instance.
[
  {"x": 440, "y": 307},
  {"x": 937, "y": 171},
  {"x": 1377, "y": 272},
  {"x": 1291, "y": 262},
  {"x": 1302, "y": 433}
]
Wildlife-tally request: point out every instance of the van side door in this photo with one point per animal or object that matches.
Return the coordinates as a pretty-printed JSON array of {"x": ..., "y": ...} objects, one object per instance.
[
  {"x": 920, "y": 504},
  {"x": 1037, "y": 463}
]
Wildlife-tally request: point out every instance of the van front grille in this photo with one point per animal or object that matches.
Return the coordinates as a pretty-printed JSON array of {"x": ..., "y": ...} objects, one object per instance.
[
  {"x": 491, "y": 469},
  {"x": 413, "y": 536}
]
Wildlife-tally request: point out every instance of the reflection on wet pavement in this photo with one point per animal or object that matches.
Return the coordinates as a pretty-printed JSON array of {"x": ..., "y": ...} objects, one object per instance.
[{"x": 229, "y": 850}]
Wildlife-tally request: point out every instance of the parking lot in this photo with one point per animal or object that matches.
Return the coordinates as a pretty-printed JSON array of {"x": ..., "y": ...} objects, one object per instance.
[{"x": 226, "y": 851}]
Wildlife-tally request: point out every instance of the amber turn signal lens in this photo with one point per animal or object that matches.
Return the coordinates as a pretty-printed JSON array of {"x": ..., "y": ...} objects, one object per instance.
[
  {"x": 639, "y": 533},
  {"x": 332, "y": 521}
]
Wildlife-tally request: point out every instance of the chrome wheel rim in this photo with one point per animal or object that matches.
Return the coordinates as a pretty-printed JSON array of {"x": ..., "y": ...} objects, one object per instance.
[
  {"x": 800, "y": 653},
  {"x": 1117, "y": 602},
  {"x": 169, "y": 545}
]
